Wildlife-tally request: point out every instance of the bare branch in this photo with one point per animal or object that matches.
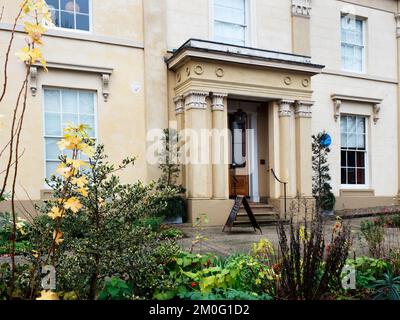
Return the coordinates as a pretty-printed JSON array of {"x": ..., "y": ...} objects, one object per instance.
[{"x": 10, "y": 43}]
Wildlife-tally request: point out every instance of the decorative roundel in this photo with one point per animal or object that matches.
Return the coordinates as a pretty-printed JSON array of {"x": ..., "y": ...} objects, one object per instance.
[
  {"x": 178, "y": 77},
  {"x": 288, "y": 81},
  {"x": 305, "y": 83},
  {"x": 198, "y": 69},
  {"x": 220, "y": 72},
  {"x": 187, "y": 71},
  {"x": 325, "y": 140}
]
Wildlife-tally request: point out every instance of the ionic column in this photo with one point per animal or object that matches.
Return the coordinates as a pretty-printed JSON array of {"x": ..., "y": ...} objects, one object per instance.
[
  {"x": 286, "y": 146},
  {"x": 303, "y": 116},
  {"x": 197, "y": 147},
  {"x": 180, "y": 112},
  {"x": 219, "y": 146}
]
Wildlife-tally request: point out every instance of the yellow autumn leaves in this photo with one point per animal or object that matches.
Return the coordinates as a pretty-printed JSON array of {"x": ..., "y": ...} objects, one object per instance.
[
  {"x": 77, "y": 141},
  {"x": 37, "y": 17}
]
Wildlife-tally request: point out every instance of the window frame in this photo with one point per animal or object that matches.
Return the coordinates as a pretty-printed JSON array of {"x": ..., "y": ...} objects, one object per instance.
[
  {"x": 248, "y": 7},
  {"x": 366, "y": 185},
  {"x": 44, "y": 136},
  {"x": 74, "y": 30},
  {"x": 364, "y": 45}
]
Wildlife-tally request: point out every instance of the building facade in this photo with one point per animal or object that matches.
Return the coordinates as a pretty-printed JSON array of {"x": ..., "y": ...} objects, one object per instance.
[{"x": 245, "y": 82}]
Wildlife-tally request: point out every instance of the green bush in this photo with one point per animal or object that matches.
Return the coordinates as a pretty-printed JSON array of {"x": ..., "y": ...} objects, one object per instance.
[
  {"x": 374, "y": 235},
  {"x": 112, "y": 235}
]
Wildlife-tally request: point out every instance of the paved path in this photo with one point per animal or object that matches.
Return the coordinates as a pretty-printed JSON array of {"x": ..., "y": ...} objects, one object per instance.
[{"x": 241, "y": 239}]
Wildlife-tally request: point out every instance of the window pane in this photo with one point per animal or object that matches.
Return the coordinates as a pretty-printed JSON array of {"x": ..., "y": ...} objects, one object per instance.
[
  {"x": 82, "y": 6},
  {"x": 343, "y": 124},
  {"x": 351, "y": 176},
  {"x": 360, "y": 176},
  {"x": 238, "y": 4},
  {"x": 53, "y": 124},
  {"x": 52, "y": 150},
  {"x": 360, "y": 159},
  {"x": 67, "y": 5},
  {"x": 361, "y": 141},
  {"x": 67, "y": 20},
  {"x": 343, "y": 138},
  {"x": 343, "y": 176},
  {"x": 230, "y": 15},
  {"x": 86, "y": 103},
  {"x": 351, "y": 140},
  {"x": 52, "y": 101},
  {"x": 51, "y": 168},
  {"x": 69, "y": 118},
  {"x": 229, "y": 33},
  {"x": 69, "y": 101},
  {"x": 351, "y": 124},
  {"x": 82, "y": 22},
  {"x": 360, "y": 124},
  {"x": 351, "y": 158},
  {"x": 52, "y": 4},
  {"x": 343, "y": 158}
]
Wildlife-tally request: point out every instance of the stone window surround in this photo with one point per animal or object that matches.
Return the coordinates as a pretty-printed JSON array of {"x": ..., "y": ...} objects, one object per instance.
[
  {"x": 337, "y": 103},
  {"x": 105, "y": 74}
]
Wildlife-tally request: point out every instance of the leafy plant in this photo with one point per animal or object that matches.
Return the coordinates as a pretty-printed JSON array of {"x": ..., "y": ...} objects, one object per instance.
[
  {"x": 374, "y": 235},
  {"x": 387, "y": 288},
  {"x": 367, "y": 270},
  {"x": 116, "y": 289},
  {"x": 172, "y": 233},
  {"x": 109, "y": 234}
]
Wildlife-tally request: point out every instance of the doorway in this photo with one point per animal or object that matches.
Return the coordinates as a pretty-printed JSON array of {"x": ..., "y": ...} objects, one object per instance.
[{"x": 243, "y": 149}]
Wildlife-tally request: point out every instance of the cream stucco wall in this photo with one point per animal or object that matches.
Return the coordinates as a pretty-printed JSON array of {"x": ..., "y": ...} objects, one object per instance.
[
  {"x": 132, "y": 38},
  {"x": 120, "y": 120}
]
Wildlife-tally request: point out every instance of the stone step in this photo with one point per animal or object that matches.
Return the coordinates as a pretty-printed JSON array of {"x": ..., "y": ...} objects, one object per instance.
[
  {"x": 259, "y": 217},
  {"x": 258, "y": 210}
]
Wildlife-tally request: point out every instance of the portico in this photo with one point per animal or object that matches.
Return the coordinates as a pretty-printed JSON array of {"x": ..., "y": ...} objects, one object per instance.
[{"x": 209, "y": 78}]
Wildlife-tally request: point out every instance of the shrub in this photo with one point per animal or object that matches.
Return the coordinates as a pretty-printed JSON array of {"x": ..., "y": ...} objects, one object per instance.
[
  {"x": 109, "y": 235},
  {"x": 374, "y": 235}
]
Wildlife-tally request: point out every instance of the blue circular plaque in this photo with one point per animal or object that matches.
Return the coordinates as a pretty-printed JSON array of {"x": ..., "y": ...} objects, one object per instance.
[{"x": 325, "y": 140}]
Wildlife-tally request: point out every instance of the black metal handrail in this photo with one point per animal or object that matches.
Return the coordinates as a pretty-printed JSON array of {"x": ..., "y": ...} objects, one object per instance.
[{"x": 284, "y": 189}]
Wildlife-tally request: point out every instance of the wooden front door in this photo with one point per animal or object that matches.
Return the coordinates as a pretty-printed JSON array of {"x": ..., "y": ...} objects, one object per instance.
[{"x": 238, "y": 173}]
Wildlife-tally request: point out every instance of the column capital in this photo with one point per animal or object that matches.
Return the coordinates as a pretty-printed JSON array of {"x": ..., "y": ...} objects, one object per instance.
[
  {"x": 179, "y": 105},
  {"x": 303, "y": 109},
  {"x": 285, "y": 107},
  {"x": 301, "y": 8},
  {"x": 397, "y": 18},
  {"x": 217, "y": 101},
  {"x": 196, "y": 100}
]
